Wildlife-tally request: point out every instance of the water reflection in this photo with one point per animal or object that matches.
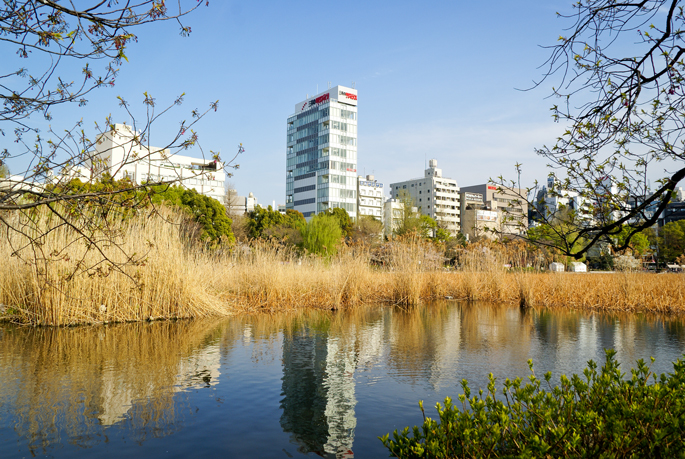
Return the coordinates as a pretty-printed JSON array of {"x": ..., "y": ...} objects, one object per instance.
[
  {"x": 69, "y": 384},
  {"x": 319, "y": 389},
  {"x": 331, "y": 373}
]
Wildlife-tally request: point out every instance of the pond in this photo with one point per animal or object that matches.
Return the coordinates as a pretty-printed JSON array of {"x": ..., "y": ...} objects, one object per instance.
[{"x": 286, "y": 385}]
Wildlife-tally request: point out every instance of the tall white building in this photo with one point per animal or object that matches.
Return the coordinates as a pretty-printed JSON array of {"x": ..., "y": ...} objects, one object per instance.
[
  {"x": 434, "y": 195},
  {"x": 321, "y": 154},
  {"x": 369, "y": 197}
]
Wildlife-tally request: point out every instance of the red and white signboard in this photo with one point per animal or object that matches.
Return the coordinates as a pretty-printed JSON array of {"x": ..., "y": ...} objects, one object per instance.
[{"x": 345, "y": 95}]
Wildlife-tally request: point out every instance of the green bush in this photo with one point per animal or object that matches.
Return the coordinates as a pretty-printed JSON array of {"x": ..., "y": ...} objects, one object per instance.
[
  {"x": 597, "y": 414},
  {"x": 262, "y": 219},
  {"x": 207, "y": 212}
]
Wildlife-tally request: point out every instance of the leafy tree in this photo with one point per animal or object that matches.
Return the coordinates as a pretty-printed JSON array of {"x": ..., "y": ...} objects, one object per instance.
[
  {"x": 638, "y": 243},
  {"x": 343, "y": 218},
  {"x": 560, "y": 237},
  {"x": 672, "y": 240},
  {"x": 621, "y": 98},
  {"x": 322, "y": 235}
]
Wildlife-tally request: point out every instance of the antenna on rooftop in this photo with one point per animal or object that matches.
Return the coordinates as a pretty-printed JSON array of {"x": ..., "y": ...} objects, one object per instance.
[
  {"x": 329, "y": 85},
  {"x": 353, "y": 85}
]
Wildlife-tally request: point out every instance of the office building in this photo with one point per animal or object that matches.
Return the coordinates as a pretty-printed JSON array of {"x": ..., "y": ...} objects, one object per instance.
[
  {"x": 321, "y": 153},
  {"x": 369, "y": 197},
  {"x": 511, "y": 204},
  {"x": 433, "y": 195},
  {"x": 477, "y": 219},
  {"x": 239, "y": 205}
]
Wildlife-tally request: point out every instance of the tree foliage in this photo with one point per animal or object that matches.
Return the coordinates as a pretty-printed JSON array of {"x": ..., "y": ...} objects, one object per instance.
[
  {"x": 264, "y": 222},
  {"x": 621, "y": 98},
  {"x": 322, "y": 235},
  {"x": 671, "y": 241},
  {"x": 59, "y": 39},
  {"x": 343, "y": 218},
  {"x": 600, "y": 413},
  {"x": 209, "y": 213}
]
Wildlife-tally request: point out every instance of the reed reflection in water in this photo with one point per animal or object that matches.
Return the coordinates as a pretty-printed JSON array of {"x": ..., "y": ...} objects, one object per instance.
[
  {"x": 68, "y": 384},
  {"x": 310, "y": 382}
]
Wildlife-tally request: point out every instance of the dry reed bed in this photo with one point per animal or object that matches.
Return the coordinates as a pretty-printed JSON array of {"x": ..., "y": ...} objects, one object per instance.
[{"x": 175, "y": 280}]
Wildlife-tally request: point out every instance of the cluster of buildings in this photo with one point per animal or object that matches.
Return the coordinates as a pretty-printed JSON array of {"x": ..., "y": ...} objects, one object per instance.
[
  {"x": 605, "y": 200},
  {"x": 321, "y": 174}
]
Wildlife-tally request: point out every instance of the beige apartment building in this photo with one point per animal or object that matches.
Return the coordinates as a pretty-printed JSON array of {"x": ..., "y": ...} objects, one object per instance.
[
  {"x": 477, "y": 219},
  {"x": 433, "y": 195}
]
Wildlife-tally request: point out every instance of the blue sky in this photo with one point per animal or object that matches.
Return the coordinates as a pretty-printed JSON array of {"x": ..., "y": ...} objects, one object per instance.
[{"x": 435, "y": 80}]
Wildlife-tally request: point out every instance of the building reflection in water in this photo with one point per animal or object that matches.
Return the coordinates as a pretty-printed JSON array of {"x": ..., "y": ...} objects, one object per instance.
[{"x": 319, "y": 392}]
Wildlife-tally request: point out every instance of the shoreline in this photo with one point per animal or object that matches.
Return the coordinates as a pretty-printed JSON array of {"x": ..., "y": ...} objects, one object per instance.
[{"x": 297, "y": 287}]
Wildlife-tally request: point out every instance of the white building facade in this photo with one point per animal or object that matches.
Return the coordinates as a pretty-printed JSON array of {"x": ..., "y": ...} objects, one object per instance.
[
  {"x": 369, "y": 197},
  {"x": 119, "y": 153},
  {"x": 321, "y": 153},
  {"x": 433, "y": 195}
]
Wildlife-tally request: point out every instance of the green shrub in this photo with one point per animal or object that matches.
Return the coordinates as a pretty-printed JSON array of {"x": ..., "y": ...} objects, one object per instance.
[
  {"x": 596, "y": 414},
  {"x": 262, "y": 219},
  {"x": 207, "y": 212}
]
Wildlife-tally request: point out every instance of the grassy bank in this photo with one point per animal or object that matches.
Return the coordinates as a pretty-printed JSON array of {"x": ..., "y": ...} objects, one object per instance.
[{"x": 65, "y": 281}]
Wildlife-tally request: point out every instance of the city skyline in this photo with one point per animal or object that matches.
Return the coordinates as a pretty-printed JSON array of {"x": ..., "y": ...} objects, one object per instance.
[{"x": 439, "y": 81}]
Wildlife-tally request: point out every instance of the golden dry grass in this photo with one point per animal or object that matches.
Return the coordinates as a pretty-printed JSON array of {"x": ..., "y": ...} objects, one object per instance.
[{"x": 179, "y": 281}]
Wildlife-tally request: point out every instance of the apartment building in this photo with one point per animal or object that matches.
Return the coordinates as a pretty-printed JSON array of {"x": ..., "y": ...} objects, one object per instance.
[
  {"x": 511, "y": 204},
  {"x": 321, "y": 153},
  {"x": 433, "y": 195},
  {"x": 369, "y": 197}
]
